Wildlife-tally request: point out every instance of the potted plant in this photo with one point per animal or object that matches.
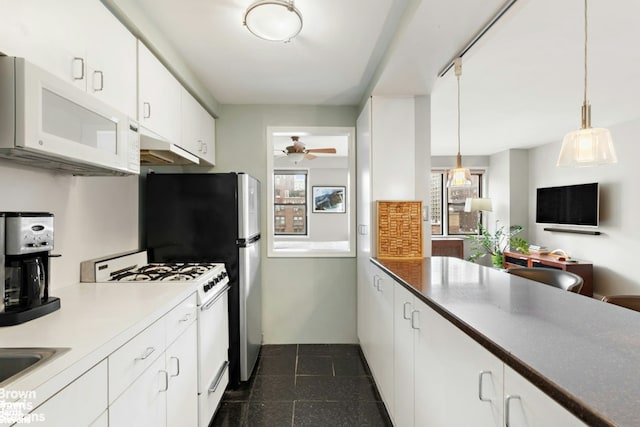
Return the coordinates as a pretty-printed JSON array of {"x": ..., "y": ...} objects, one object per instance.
[{"x": 495, "y": 244}]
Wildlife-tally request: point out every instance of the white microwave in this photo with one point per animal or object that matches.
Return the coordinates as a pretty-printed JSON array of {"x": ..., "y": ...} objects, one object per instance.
[{"x": 49, "y": 123}]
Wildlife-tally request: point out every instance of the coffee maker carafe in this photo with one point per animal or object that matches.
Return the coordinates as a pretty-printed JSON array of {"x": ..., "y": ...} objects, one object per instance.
[{"x": 26, "y": 245}]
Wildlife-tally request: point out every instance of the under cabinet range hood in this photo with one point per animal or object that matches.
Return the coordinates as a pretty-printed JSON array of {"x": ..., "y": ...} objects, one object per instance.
[
  {"x": 155, "y": 151},
  {"x": 47, "y": 122}
]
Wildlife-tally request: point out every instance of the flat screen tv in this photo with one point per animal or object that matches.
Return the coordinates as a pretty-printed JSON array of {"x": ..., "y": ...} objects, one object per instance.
[{"x": 568, "y": 204}]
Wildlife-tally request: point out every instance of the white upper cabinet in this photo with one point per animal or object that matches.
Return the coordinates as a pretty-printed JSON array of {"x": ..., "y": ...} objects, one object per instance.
[
  {"x": 111, "y": 60},
  {"x": 158, "y": 97},
  {"x": 198, "y": 129},
  {"x": 80, "y": 41}
]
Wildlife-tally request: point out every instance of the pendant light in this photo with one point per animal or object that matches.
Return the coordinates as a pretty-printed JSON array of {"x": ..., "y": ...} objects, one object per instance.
[
  {"x": 587, "y": 146},
  {"x": 459, "y": 176}
]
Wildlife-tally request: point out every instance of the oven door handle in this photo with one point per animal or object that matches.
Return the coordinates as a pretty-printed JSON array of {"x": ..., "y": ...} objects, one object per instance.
[
  {"x": 216, "y": 382},
  {"x": 208, "y": 305}
]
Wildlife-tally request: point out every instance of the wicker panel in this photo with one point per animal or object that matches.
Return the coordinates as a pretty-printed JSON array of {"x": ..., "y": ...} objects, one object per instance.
[{"x": 399, "y": 229}]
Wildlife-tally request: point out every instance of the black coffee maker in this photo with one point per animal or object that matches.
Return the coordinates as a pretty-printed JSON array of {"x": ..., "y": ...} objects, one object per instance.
[{"x": 26, "y": 241}]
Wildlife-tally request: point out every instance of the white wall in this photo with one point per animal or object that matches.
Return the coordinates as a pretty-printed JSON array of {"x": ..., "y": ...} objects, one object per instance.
[
  {"x": 94, "y": 216},
  {"x": 613, "y": 253},
  {"x": 305, "y": 300}
]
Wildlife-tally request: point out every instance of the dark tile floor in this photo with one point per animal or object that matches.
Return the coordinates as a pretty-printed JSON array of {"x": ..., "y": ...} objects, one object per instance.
[{"x": 305, "y": 385}]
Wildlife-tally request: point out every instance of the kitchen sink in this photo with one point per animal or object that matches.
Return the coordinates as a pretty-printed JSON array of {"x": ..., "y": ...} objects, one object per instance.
[{"x": 15, "y": 362}]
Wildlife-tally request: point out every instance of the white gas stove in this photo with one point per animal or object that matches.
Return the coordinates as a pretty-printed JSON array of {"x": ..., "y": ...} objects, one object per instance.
[
  {"x": 208, "y": 278},
  {"x": 211, "y": 282}
]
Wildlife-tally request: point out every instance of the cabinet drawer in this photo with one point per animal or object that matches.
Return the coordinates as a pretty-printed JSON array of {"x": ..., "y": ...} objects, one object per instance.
[
  {"x": 179, "y": 319},
  {"x": 129, "y": 361},
  {"x": 63, "y": 409}
]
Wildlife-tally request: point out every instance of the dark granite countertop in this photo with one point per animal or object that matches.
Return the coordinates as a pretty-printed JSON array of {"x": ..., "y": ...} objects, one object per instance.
[{"x": 583, "y": 353}]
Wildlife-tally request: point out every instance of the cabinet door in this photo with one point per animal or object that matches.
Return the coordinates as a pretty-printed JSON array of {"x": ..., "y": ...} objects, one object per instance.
[
  {"x": 527, "y": 406},
  {"x": 182, "y": 396},
  {"x": 457, "y": 381},
  {"x": 48, "y": 34},
  {"x": 382, "y": 339},
  {"x": 63, "y": 409},
  {"x": 198, "y": 128},
  {"x": 144, "y": 403},
  {"x": 111, "y": 58},
  {"x": 158, "y": 97},
  {"x": 403, "y": 338},
  {"x": 208, "y": 138}
]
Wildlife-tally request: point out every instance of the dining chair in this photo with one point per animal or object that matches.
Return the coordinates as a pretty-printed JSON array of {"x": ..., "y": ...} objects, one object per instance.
[
  {"x": 550, "y": 276},
  {"x": 628, "y": 301}
]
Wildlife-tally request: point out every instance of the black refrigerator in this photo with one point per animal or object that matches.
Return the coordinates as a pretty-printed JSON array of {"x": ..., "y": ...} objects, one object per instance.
[{"x": 213, "y": 218}]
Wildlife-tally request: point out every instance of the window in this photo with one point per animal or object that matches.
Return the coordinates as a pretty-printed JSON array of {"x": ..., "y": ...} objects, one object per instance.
[
  {"x": 299, "y": 159},
  {"x": 447, "y": 205},
  {"x": 290, "y": 202}
]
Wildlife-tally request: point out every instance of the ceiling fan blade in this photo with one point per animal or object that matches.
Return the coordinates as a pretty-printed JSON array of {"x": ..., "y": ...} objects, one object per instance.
[
  {"x": 309, "y": 156},
  {"x": 322, "y": 150}
]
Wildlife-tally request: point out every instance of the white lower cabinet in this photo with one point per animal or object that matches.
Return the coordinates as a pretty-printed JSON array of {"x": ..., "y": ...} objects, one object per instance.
[
  {"x": 527, "y": 406},
  {"x": 144, "y": 402},
  {"x": 165, "y": 392},
  {"x": 380, "y": 357},
  {"x": 436, "y": 375},
  {"x": 454, "y": 372},
  {"x": 64, "y": 408},
  {"x": 181, "y": 364},
  {"x": 403, "y": 357}
]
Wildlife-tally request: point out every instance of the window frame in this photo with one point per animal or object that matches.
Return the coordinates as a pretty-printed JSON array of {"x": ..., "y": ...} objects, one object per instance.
[
  {"x": 310, "y": 245},
  {"x": 305, "y": 217},
  {"x": 444, "y": 201}
]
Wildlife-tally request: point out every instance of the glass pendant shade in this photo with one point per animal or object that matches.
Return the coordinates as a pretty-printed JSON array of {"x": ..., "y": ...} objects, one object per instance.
[
  {"x": 587, "y": 147},
  {"x": 459, "y": 176},
  {"x": 273, "y": 20}
]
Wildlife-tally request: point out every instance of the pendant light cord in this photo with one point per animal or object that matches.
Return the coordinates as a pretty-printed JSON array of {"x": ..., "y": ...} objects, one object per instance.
[
  {"x": 585, "y": 52},
  {"x": 458, "y": 72}
]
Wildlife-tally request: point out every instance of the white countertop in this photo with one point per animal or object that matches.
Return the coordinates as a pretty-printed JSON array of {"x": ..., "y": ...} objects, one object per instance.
[{"x": 94, "y": 320}]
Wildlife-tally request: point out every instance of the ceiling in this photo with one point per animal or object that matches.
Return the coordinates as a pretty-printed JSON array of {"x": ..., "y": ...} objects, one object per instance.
[{"x": 521, "y": 85}]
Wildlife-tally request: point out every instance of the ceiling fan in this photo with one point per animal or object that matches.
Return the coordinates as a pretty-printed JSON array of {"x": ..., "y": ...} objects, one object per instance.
[{"x": 297, "y": 151}]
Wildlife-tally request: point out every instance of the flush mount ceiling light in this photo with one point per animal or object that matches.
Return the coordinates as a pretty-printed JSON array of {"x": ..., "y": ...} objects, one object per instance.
[
  {"x": 459, "y": 176},
  {"x": 587, "y": 146},
  {"x": 273, "y": 20}
]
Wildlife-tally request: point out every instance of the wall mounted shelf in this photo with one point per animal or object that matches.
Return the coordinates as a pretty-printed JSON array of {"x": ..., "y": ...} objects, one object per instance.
[{"x": 569, "y": 230}]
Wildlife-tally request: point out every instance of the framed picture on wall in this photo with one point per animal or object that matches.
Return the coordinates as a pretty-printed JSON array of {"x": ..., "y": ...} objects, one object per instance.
[{"x": 328, "y": 199}]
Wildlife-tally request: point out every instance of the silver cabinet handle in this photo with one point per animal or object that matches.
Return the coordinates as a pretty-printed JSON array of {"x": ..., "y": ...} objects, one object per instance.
[
  {"x": 205, "y": 148},
  {"x": 208, "y": 305},
  {"x": 146, "y": 353},
  {"x": 146, "y": 110},
  {"x": 404, "y": 311},
  {"x": 166, "y": 381},
  {"x": 101, "y": 75},
  {"x": 78, "y": 68},
  {"x": 177, "y": 366},
  {"x": 186, "y": 317},
  {"x": 482, "y": 373},
  {"x": 415, "y": 319},
  {"x": 216, "y": 381},
  {"x": 507, "y": 412},
  {"x": 375, "y": 281}
]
